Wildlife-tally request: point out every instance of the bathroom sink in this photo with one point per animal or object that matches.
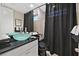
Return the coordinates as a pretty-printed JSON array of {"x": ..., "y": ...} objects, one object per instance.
[{"x": 19, "y": 36}]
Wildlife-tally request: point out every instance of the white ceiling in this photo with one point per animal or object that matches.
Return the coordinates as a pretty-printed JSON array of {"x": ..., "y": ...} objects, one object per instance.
[{"x": 22, "y": 7}]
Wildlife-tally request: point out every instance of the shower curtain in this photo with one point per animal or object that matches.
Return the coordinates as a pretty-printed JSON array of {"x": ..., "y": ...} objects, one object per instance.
[
  {"x": 28, "y": 21},
  {"x": 60, "y": 19}
]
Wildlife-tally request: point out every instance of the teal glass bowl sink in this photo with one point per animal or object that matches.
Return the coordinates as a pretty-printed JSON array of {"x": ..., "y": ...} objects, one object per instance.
[{"x": 19, "y": 36}]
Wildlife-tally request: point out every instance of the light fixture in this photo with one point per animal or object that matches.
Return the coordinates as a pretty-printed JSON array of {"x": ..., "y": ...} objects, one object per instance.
[{"x": 31, "y": 5}]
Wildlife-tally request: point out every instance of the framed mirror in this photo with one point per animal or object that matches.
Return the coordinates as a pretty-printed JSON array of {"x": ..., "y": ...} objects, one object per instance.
[{"x": 18, "y": 22}]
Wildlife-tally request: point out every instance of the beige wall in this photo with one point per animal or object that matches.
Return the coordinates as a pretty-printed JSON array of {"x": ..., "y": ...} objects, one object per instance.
[
  {"x": 40, "y": 23},
  {"x": 19, "y": 15},
  {"x": 77, "y": 11}
]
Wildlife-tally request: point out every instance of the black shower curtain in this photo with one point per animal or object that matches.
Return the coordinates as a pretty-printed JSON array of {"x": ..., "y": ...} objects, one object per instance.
[
  {"x": 28, "y": 21},
  {"x": 60, "y": 19}
]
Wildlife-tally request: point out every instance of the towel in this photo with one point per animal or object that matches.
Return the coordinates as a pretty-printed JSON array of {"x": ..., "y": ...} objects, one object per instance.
[{"x": 75, "y": 30}]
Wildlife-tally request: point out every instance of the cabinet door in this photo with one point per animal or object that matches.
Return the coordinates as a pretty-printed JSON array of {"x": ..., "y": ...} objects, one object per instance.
[{"x": 33, "y": 51}]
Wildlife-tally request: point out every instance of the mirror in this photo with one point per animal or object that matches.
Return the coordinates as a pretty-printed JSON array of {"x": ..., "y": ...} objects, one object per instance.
[
  {"x": 18, "y": 22},
  {"x": 11, "y": 19},
  {"x": 39, "y": 20}
]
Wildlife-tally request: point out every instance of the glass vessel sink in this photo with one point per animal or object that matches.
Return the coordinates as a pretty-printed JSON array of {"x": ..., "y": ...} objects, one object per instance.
[{"x": 20, "y": 36}]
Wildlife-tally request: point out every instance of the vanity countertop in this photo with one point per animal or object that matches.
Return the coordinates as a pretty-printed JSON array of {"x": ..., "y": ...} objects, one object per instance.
[{"x": 15, "y": 44}]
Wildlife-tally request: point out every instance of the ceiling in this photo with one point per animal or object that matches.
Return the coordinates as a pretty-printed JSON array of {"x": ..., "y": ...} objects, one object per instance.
[{"x": 22, "y": 7}]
